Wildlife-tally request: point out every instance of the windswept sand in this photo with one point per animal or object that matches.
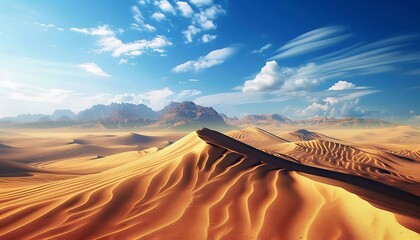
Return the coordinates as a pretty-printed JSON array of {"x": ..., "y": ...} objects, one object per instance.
[{"x": 248, "y": 184}]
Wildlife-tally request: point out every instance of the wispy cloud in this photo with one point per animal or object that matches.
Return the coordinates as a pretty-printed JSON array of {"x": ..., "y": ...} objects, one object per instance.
[
  {"x": 367, "y": 59},
  {"x": 94, "y": 69},
  {"x": 109, "y": 42},
  {"x": 48, "y": 26},
  {"x": 311, "y": 41},
  {"x": 201, "y": 3},
  {"x": 30, "y": 93},
  {"x": 213, "y": 58},
  {"x": 139, "y": 24},
  {"x": 262, "y": 49}
]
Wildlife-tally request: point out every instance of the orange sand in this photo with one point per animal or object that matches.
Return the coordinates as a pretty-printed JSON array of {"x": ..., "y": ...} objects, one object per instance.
[{"x": 206, "y": 185}]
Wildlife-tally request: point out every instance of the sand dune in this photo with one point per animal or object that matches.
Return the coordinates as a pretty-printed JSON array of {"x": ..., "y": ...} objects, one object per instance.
[
  {"x": 210, "y": 186},
  {"x": 313, "y": 149}
]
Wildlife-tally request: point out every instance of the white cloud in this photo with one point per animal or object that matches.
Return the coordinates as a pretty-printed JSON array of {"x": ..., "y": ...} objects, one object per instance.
[
  {"x": 270, "y": 76},
  {"x": 103, "y": 30},
  {"x": 144, "y": 2},
  {"x": 48, "y": 26},
  {"x": 156, "y": 99},
  {"x": 316, "y": 39},
  {"x": 138, "y": 17},
  {"x": 344, "y": 105},
  {"x": 93, "y": 68},
  {"x": 185, "y": 9},
  {"x": 186, "y": 94},
  {"x": 377, "y": 57},
  {"x": 208, "y": 37},
  {"x": 123, "y": 61},
  {"x": 342, "y": 85},
  {"x": 190, "y": 32},
  {"x": 108, "y": 42},
  {"x": 204, "y": 19},
  {"x": 139, "y": 24},
  {"x": 213, "y": 58},
  {"x": 201, "y": 21},
  {"x": 31, "y": 93},
  {"x": 193, "y": 80},
  {"x": 80, "y": 30},
  {"x": 158, "y": 16},
  {"x": 262, "y": 49},
  {"x": 201, "y": 3},
  {"x": 165, "y": 6}
]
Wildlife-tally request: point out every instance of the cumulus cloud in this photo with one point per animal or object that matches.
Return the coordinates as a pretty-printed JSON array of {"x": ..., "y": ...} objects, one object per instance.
[
  {"x": 158, "y": 16},
  {"x": 165, "y": 6},
  {"x": 190, "y": 32},
  {"x": 203, "y": 21},
  {"x": 269, "y": 76},
  {"x": 213, "y": 58},
  {"x": 208, "y": 38},
  {"x": 273, "y": 77},
  {"x": 109, "y": 42},
  {"x": 156, "y": 99},
  {"x": 94, "y": 69},
  {"x": 205, "y": 18},
  {"x": 185, "y": 9},
  {"x": 342, "y": 85},
  {"x": 345, "y": 105},
  {"x": 262, "y": 49}
]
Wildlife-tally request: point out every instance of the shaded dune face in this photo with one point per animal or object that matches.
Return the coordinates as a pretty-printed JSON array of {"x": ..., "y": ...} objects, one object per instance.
[{"x": 197, "y": 188}]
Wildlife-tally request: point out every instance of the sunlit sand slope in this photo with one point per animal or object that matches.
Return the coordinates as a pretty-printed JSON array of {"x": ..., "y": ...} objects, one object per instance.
[{"x": 204, "y": 186}]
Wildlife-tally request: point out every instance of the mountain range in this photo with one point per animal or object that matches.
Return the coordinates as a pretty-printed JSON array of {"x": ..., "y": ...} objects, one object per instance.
[{"x": 175, "y": 115}]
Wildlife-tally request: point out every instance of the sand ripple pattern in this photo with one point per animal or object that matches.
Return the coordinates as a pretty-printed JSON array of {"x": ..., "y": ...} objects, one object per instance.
[{"x": 192, "y": 189}]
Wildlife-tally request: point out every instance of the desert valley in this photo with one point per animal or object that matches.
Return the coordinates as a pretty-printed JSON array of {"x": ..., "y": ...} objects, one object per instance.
[
  {"x": 357, "y": 182},
  {"x": 209, "y": 120}
]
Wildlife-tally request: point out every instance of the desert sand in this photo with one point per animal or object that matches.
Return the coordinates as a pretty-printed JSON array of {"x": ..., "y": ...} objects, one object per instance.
[{"x": 244, "y": 184}]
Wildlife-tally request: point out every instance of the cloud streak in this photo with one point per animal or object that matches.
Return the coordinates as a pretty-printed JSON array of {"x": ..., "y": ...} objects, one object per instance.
[
  {"x": 94, "y": 69},
  {"x": 213, "y": 58},
  {"x": 312, "y": 41}
]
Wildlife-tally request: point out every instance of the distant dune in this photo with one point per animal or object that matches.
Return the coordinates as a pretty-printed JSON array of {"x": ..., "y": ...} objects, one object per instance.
[{"x": 248, "y": 184}]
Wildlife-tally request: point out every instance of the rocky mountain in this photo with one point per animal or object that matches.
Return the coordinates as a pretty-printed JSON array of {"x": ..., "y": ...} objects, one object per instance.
[
  {"x": 117, "y": 112},
  {"x": 188, "y": 114},
  {"x": 62, "y": 115},
  {"x": 185, "y": 115}
]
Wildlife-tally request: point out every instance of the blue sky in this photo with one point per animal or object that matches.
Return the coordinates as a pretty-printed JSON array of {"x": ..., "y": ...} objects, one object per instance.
[{"x": 297, "y": 58}]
